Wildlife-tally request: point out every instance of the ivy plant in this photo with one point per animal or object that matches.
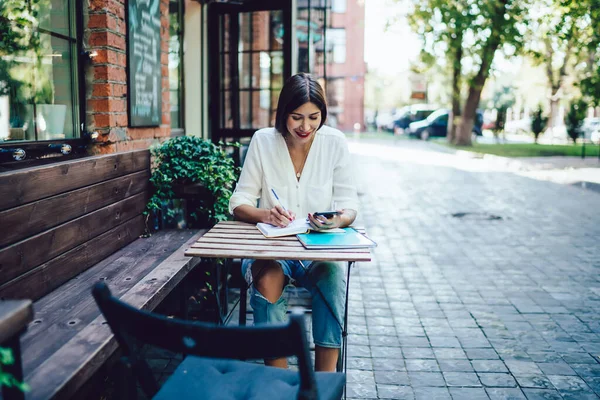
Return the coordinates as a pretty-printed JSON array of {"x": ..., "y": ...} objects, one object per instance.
[
  {"x": 6, "y": 379},
  {"x": 188, "y": 160}
]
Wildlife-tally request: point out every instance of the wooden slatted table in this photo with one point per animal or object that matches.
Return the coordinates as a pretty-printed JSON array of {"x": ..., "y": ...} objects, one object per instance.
[{"x": 234, "y": 239}]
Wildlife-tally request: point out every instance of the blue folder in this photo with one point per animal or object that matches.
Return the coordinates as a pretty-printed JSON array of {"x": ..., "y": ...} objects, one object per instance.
[{"x": 350, "y": 239}]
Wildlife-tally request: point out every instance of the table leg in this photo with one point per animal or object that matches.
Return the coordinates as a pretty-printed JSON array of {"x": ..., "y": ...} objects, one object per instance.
[{"x": 243, "y": 300}]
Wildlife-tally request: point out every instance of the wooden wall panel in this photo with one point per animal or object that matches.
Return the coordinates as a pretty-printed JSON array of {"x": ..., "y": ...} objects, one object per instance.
[
  {"x": 55, "y": 272},
  {"x": 33, "y": 218},
  {"x": 32, "y": 184},
  {"x": 24, "y": 256}
]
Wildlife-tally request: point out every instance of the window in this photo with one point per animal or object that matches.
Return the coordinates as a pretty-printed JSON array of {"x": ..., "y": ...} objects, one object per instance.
[
  {"x": 336, "y": 43},
  {"x": 338, "y": 6},
  {"x": 39, "y": 88},
  {"x": 176, "y": 62}
]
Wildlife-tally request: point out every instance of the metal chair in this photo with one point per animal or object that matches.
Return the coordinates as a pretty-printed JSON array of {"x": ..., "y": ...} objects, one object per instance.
[{"x": 212, "y": 368}]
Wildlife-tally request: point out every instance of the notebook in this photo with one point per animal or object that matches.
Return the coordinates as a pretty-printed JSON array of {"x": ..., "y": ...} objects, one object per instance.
[
  {"x": 295, "y": 227},
  {"x": 350, "y": 239}
]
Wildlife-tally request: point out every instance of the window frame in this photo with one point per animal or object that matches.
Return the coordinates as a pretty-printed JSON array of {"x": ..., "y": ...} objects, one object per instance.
[
  {"x": 45, "y": 151},
  {"x": 181, "y": 100}
]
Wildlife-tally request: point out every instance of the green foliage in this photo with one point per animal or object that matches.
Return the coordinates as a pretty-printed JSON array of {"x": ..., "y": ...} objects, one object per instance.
[
  {"x": 22, "y": 74},
  {"x": 528, "y": 149},
  {"x": 538, "y": 122},
  {"x": 6, "y": 379},
  {"x": 190, "y": 159},
  {"x": 575, "y": 117}
]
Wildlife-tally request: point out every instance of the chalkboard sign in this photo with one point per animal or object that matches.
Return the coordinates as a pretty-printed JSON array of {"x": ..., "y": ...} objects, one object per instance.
[{"x": 144, "y": 72}]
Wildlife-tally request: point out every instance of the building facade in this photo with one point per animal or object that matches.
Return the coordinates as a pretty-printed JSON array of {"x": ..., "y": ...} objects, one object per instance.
[{"x": 107, "y": 76}]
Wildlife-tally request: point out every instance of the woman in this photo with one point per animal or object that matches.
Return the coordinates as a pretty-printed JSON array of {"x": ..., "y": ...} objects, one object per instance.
[{"x": 307, "y": 165}]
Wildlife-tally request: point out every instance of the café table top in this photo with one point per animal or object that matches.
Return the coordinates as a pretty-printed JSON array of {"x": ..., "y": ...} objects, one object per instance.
[{"x": 234, "y": 239}]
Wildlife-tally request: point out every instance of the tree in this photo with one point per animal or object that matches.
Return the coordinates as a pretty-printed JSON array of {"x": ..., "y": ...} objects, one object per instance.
[
  {"x": 575, "y": 117},
  {"x": 538, "y": 123},
  {"x": 500, "y": 24},
  {"x": 502, "y": 99},
  {"x": 589, "y": 48},
  {"x": 442, "y": 24},
  {"x": 559, "y": 34}
]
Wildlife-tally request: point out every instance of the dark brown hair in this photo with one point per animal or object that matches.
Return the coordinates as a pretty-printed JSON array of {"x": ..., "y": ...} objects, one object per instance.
[{"x": 298, "y": 90}]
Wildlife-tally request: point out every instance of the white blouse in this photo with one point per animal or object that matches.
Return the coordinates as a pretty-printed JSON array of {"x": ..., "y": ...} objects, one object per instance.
[{"x": 326, "y": 182}]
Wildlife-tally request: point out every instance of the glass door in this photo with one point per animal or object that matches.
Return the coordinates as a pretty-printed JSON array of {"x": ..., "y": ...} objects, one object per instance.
[{"x": 250, "y": 57}]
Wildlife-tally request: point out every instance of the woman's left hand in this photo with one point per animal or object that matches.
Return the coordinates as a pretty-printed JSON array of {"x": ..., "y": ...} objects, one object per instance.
[{"x": 322, "y": 224}]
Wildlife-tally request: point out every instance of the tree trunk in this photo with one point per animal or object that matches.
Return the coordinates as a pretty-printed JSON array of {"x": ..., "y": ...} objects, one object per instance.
[
  {"x": 463, "y": 134},
  {"x": 556, "y": 82},
  {"x": 455, "y": 115}
]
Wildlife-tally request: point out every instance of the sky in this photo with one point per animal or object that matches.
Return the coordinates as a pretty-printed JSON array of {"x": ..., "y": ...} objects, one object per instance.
[{"x": 391, "y": 51}]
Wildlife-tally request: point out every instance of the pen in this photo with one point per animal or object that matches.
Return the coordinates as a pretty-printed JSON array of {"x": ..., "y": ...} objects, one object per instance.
[{"x": 277, "y": 197}]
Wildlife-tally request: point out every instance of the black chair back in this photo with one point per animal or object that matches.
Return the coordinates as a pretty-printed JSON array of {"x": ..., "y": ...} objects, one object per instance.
[{"x": 201, "y": 339}]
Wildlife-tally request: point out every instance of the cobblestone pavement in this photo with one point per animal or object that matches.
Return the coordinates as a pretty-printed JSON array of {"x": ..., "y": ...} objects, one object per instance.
[{"x": 485, "y": 284}]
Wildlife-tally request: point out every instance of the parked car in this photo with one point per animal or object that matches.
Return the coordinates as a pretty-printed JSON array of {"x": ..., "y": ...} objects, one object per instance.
[
  {"x": 382, "y": 120},
  {"x": 414, "y": 113},
  {"x": 590, "y": 126},
  {"x": 437, "y": 125},
  {"x": 518, "y": 126}
]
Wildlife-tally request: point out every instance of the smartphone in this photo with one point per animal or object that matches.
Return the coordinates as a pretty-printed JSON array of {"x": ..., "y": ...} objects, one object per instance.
[{"x": 326, "y": 214}]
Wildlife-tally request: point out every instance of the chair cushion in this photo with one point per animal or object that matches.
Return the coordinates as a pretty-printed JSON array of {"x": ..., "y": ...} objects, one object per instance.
[{"x": 202, "y": 378}]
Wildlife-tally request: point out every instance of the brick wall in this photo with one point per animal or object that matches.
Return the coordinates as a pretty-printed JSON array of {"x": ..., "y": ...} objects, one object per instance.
[{"x": 106, "y": 78}]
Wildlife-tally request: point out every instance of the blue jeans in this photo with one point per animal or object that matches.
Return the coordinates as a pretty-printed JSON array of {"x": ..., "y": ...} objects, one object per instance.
[{"x": 331, "y": 280}]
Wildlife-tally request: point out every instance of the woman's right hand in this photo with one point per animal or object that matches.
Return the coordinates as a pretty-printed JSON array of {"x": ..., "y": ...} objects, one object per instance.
[{"x": 278, "y": 216}]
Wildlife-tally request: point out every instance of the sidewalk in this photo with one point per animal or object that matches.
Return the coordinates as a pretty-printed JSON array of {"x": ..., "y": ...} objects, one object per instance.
[{"x": 472, "y": 306}]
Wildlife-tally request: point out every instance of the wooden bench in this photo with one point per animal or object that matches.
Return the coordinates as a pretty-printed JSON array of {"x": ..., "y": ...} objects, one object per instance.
[{"x": 64, "y": 227}]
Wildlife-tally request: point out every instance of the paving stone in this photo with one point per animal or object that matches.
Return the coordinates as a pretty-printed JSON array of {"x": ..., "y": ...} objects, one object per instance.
[
  {"x": 418, "y": 352},
  {"x": 421, "y": 365},
  {"x": 489, "y": 366},
  {"x": 459, "y": 393},
  {"x": 534, "y": 381},
  {"x": 386, "y": 341},
  {"x": 584, "y": 370},
  {"x": 414, "y": 341},
  {"x": 557, "y": 368},
  {"x": 453, "y": 365},
  {"x": 493, "y": 379},
  {"x": 505, "y": 394},
  {"x": 360, "y": 363},
  {"x": 429, "y": 379},
  {"x": 481, "y": 354},
  {"x": 445, "y": 353},
  {"x": 444, "y": 341},
  {"x": 432, "y": 393},
  {"x": 391, "y": 377},
  {"x": 388, "y": 364},
  {"x": 360, "y": 391},
  {"x": 464, "y": 379},
  {"x": 379, "y": 351},
  {"x": 522, "y": 367},
  {"x": 395, "y": 392},
  {"x": 360, "y": 376},
  {"x": 542, "y": 394},
  {"x": 572, "y": 387}
]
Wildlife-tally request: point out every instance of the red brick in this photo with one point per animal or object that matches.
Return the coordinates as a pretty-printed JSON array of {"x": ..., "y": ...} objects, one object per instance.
[
  {"x": 102, "y": 120},
  {"x": 119, "y": 90},
  {"x": 116, "y": 41},
  {"x": 110, "y": 73},
  {"x": 98, "y": 21},
  {"x": 98, "y": 5},
  {"x": 140, "y": 133},
  {"x": 98, "y": 38},
  {"x": 166, "y": 118},
  {"x": 101, "y": 89},
  {"x": 98, "y": 105},
  {"x": 121, "y": 119}
]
